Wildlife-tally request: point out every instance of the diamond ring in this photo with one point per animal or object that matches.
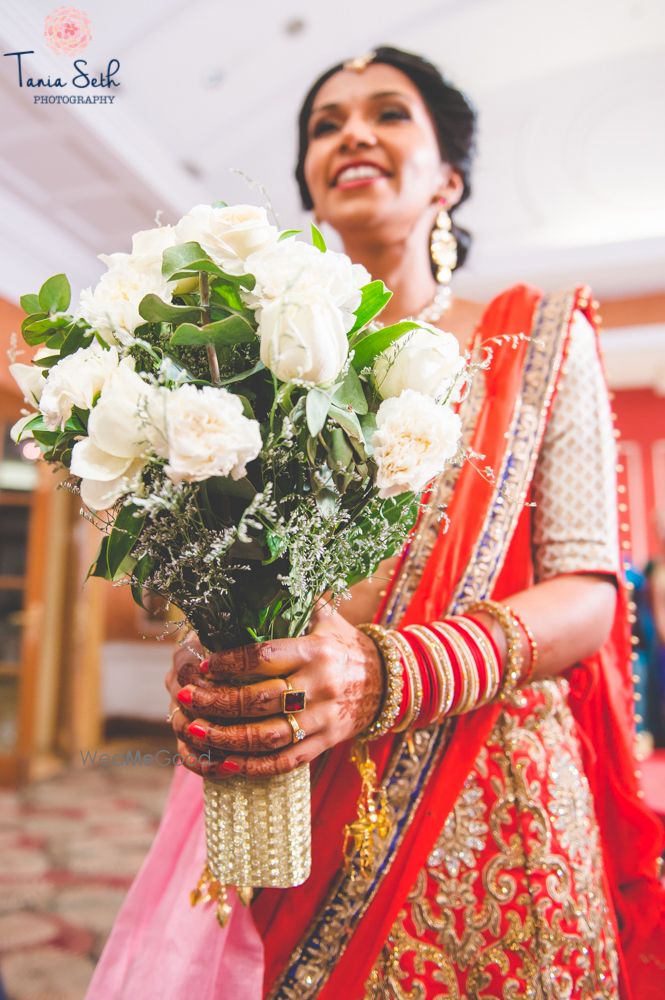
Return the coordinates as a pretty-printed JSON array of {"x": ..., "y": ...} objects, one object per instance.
[{"x": 298, "y": 733}]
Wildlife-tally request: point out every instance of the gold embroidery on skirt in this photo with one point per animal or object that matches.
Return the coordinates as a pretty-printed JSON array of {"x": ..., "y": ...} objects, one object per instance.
[{"x": 513, "y": 885}]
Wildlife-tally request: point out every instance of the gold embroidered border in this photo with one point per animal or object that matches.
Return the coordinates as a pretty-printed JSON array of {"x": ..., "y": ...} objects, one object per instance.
[{"x": 325, "y": 941}]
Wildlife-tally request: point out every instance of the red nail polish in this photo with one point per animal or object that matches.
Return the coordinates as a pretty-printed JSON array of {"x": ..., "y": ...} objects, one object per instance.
[
  {"x": 228, "y": 767},
  {"x": 195, "y": 730},
  {"x": 184, "y": 697},
  {"x": 204, "y": 666}
]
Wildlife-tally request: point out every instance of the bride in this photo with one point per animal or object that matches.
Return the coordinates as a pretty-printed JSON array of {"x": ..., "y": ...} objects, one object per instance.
[{"x": 521, "y": 861}]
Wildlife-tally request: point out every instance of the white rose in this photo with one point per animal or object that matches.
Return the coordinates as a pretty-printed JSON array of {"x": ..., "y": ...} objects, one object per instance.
[
  {"x": 227, "y": 234},
  {"x": 75, "y": 381},
  {"x": 113, "y": 307},
  {"x": 304, "y": 337},
  {"x": 291, "y": 266},
  {"x": 30, "y": 380},
  {"x": 153, "y": 242},
  {"x": 427, "y": 360},
  {"x": 207, "y": 434},
  {"x": 124, "y": 428},
  {"x": 414, "y": 439}
]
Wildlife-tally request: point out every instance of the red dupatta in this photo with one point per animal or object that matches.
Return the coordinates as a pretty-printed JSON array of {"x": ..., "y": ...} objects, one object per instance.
[{"x": 322, "y": 938}]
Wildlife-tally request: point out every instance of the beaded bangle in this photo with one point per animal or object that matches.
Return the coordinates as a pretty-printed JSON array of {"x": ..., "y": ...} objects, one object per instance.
[
  {"x": 512, "y": 675},
  {"x": 414, "y": 683},
  {"x": 533, "y": 649},
  {"x": 392, "y": 664}
]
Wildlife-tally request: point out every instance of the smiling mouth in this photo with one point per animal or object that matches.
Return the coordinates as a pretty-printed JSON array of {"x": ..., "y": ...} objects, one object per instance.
[{"x": 358, "y": 173}]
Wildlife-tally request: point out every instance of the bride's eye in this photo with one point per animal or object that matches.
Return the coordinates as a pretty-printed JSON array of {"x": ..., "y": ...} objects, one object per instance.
[
  {"x": 393, "y": 114},
  {"x": 323, "y": 126}
]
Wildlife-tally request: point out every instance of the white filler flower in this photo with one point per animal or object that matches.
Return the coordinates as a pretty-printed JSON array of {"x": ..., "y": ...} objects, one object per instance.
[
  {"x": 414, "y": 438},
  {"x": 207, "y": 434}
]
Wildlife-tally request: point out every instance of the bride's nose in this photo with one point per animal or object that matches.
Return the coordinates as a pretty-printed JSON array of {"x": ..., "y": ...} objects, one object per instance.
[{"x": 356, "y": 133}]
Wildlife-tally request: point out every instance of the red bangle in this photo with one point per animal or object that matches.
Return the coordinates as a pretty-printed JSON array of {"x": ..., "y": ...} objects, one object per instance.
[
  {"x": 427, "y": 676},
  {"x": 490, "y": 638},
  {"x": 476, "y": 652},
  {"x": 455, "y": 666}
]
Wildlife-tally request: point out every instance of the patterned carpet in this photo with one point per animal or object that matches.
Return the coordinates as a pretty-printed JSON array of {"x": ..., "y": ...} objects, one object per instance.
[{"x": 69, "y": 848}]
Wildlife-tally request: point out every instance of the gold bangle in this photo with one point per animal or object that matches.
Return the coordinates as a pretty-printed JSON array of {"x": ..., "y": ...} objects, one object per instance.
[
  {"x": 533, "y": 649},
  {"x": 391, "y": 660},
  {"x": 512, "y": 673},
  {"x": 441, "y": 666},
  {"x": 413, "y": 670},
  {"x": 492, "y": 665}
]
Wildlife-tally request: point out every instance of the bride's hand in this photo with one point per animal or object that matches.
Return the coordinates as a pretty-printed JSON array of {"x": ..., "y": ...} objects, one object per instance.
[{"x": 244, "y": 728}]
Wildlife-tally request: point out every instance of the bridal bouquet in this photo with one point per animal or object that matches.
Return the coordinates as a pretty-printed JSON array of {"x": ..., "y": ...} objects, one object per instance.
[{"x": 248, "y": 438}]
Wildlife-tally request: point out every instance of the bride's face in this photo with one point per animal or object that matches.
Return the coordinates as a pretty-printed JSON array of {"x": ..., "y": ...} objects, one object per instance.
[{"x": 373, "y": 159}]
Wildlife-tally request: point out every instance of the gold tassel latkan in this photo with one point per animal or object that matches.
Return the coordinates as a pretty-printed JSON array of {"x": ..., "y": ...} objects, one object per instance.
[
  {"x": 372, "y": 818},
  {"x": 210, "y": 890}
]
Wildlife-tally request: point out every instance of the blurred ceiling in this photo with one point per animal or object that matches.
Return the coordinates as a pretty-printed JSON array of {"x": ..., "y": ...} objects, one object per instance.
[{"x": 569, "y": 184}]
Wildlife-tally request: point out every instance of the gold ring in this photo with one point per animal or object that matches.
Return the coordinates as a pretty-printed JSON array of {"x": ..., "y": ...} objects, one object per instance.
[
  {"x": 171, "y": 714},
  {"x": 298, "y": 733},
  {"x": 292, "y": 701}
]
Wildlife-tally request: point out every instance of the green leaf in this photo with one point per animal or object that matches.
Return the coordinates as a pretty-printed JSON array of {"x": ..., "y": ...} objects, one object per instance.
[
  {"x": 30, "y": 303},
  {"x": 375, "y": 343},
  {"x": 287, "y": 234},
  {"x": 318, "y": 240},
  {"x": 276, "y": 546},
  {"x": 351, "y": 393},
  {"x": 184, "y": 257},
  {"x": 47, "y": 362},
  {"x": 155, "y": 310},
  {"x": 229, "y": 295},
  {"x": 55, "y": 294},
  {"x": 122, "y": 538},
  {"x": 225, "y": 486},
  {"x": 348, "y": 420},
  {"x": 316, "y": 409},
  {"x": 232, "y": 330},
  {"x": 368, "y": 424},
  {"x": 340, "y": 450},
  {"x": 140, "y": 574},
  {"x": 220, "y": 204},
  {"x": 77, "y": 337},
  {"x": 99, "y": 566},
  {"x": 375, "y": 296},
  {"x": 259, "y": 366},
  {"x": 35, "y": 317}
]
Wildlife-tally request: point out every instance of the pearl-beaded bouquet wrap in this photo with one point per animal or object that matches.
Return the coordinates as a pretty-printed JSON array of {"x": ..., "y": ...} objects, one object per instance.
[{"x": 247, "y": 439}]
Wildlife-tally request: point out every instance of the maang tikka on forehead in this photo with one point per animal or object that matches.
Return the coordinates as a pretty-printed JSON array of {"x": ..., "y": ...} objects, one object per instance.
[{"x": 360, "y": 63}]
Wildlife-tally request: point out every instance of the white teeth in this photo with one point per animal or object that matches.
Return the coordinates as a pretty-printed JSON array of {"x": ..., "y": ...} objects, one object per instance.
[{"x": 357, "y": 173}]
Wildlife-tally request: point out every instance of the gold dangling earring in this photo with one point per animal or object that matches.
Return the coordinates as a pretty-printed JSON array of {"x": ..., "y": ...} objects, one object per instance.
[{"x": 443, "y": 245}]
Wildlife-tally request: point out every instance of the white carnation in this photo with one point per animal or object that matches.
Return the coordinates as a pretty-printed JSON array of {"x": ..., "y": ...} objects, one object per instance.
[
  {"x": 425, "y": 359},
  {"x": 228, "y": 234},
  {"x": 124, "y": 429},
  {"x": 414, "y": 439},
  {"x": 112, "y": 308},
  {"x": 76, "y": 380},
  {"x": 207, "y": 434}
]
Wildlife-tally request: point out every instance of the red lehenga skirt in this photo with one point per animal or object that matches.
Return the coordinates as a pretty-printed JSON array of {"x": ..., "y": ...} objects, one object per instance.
[{"x": 511, "y": 901}]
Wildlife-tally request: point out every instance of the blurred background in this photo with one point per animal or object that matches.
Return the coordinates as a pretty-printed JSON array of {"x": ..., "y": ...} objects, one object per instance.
[{"x": 568, "y": 189}]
